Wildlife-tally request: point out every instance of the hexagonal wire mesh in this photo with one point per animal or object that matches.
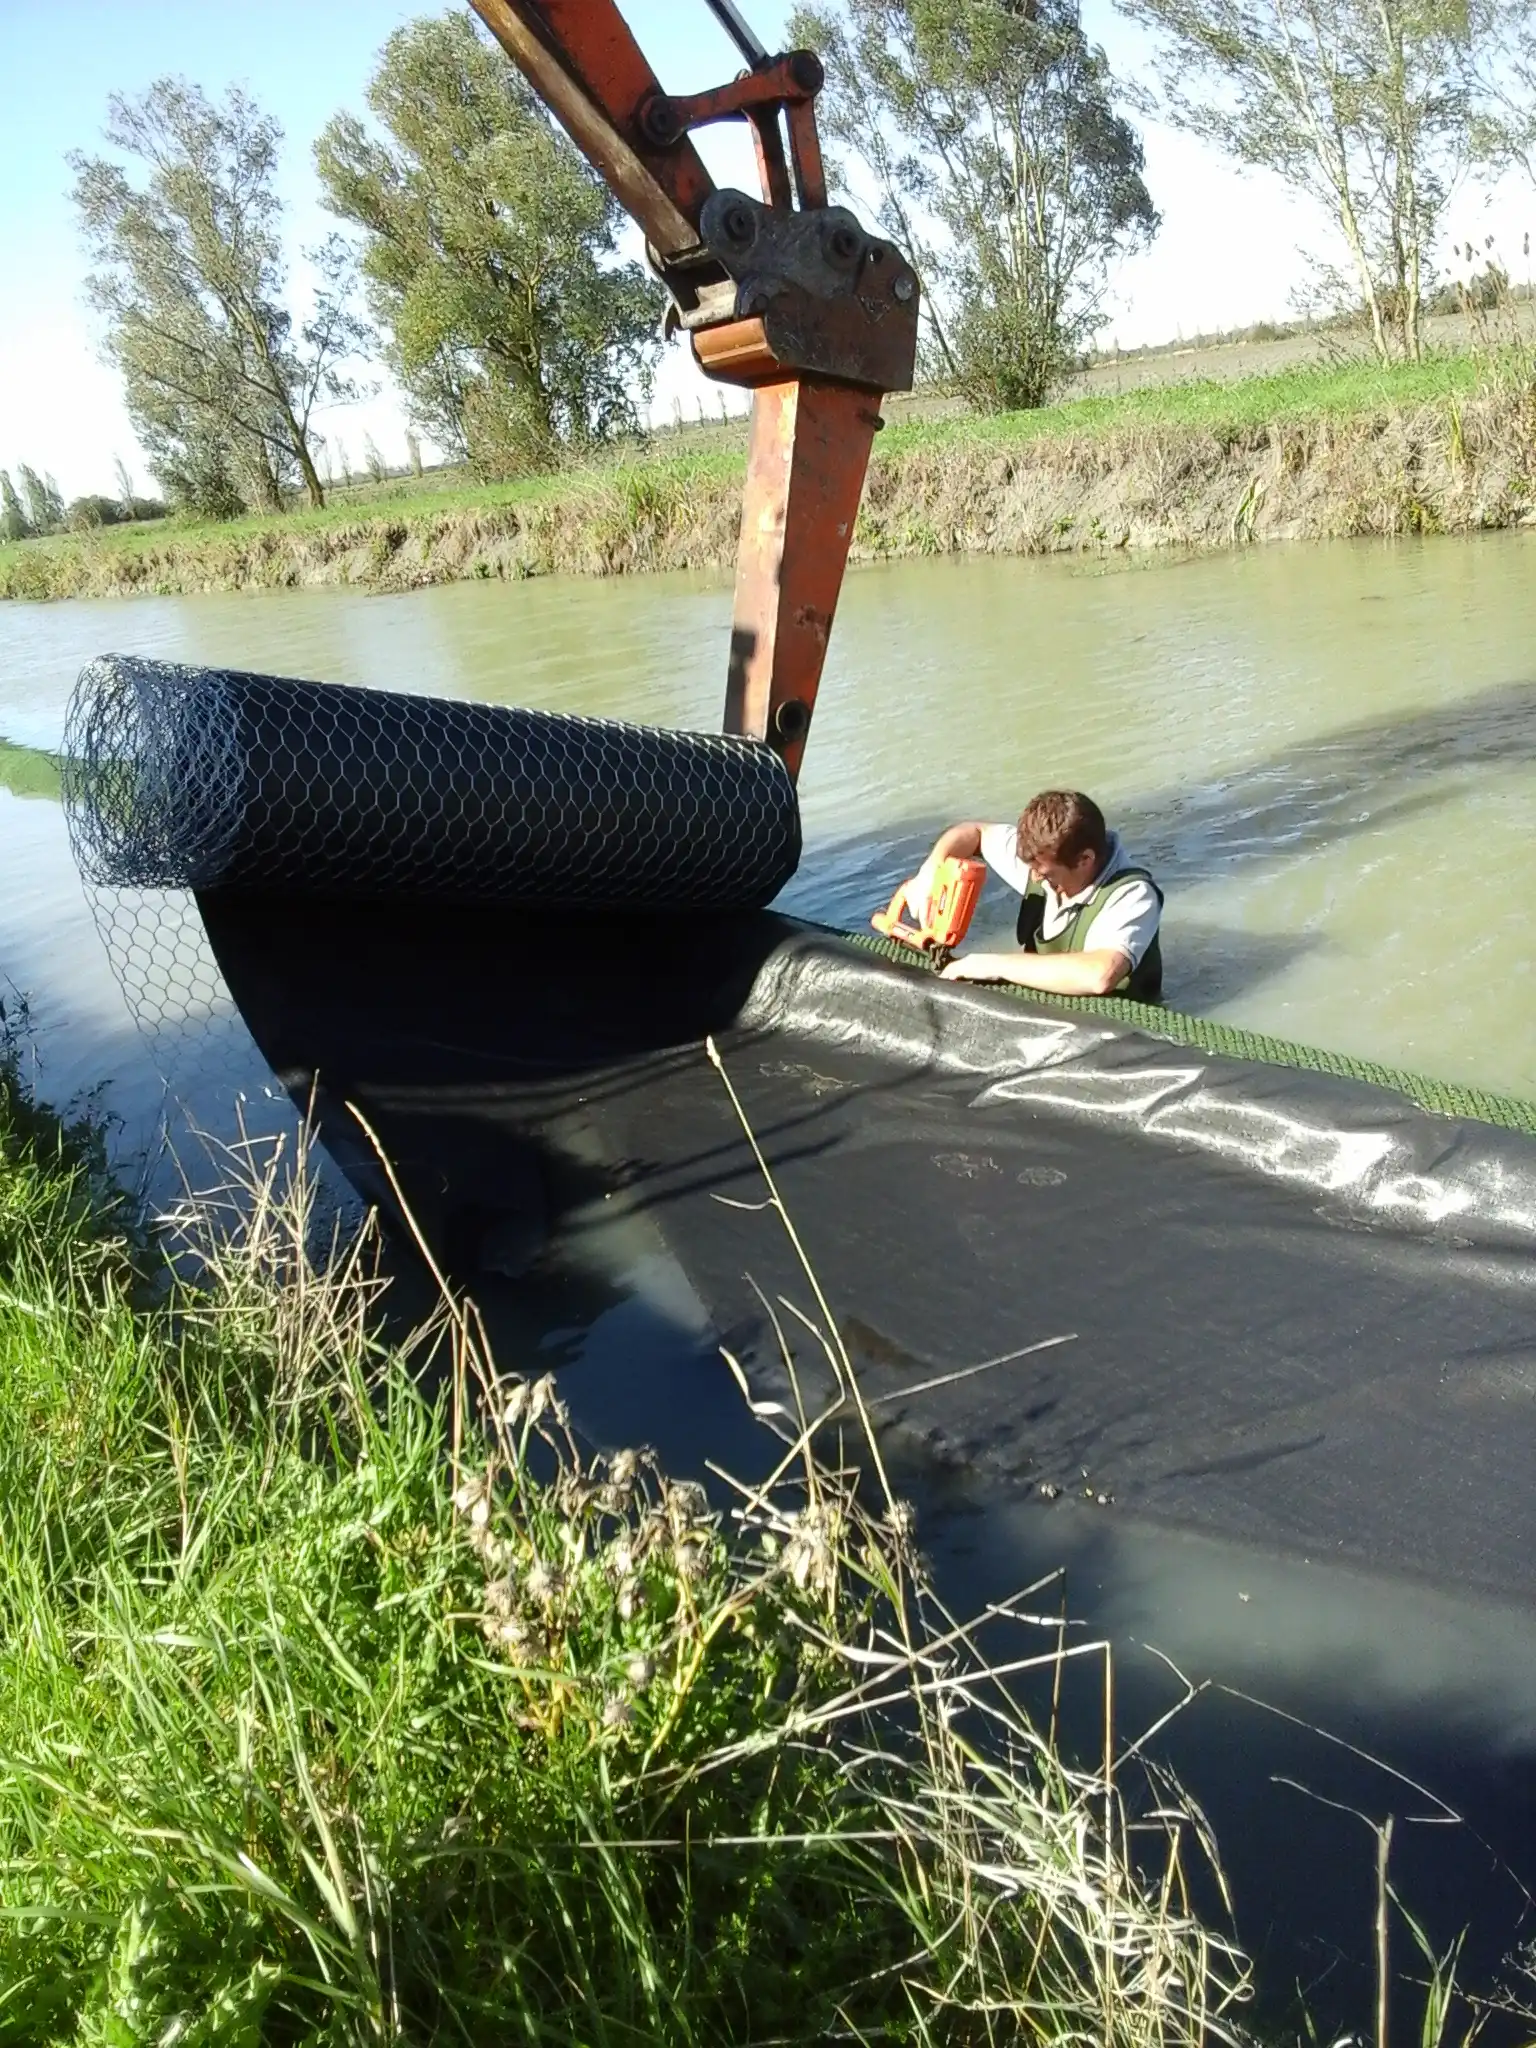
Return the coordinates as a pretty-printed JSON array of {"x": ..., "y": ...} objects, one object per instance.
[
  {"x": 200, "y": 778},
  {"x": 179, "y": 778}
]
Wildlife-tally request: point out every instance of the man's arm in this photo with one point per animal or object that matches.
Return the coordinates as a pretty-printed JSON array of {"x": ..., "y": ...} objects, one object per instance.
[
  {"x": 1063, "y": 974},
  {"x": 960, "y": 842}
]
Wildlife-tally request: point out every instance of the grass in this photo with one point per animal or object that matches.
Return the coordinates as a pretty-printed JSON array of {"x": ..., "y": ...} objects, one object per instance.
[
  {"x": 403, "y": 502},
  {"x": 1312, "y": 391},
  {"x": 1439, "y": 445},
  {"x": 334, "y": 1709},
  {"x": 26, "y": 771}
]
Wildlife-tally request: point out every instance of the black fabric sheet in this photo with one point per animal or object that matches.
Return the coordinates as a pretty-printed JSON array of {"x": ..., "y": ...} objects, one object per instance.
[
  {"x": 1301, "y": 1365},
  {"x": 1299, "y": 1312}
]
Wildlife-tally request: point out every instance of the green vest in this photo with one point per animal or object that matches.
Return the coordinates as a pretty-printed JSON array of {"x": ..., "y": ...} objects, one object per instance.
[{"x": 1144, "y": 983}]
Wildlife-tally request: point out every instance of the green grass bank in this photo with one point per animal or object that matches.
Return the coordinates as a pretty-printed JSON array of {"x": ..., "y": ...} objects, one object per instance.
[
  {"x": 1448, "y": 445},
  {"x": 334, "y": 1711},
  {"x": 26, "y": 771}
]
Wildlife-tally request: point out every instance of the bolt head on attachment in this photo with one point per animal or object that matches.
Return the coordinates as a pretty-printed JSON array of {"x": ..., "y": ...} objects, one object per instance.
[
  {"x": 806, "y": 69},
  {"x": 904, "y": 287},
  {"x": 738, "y": 225},
  {"x": 660, "y": 122}
]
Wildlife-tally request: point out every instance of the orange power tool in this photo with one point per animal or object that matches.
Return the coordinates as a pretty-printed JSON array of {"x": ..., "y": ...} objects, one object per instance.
[{"x": 951, "y": 906}]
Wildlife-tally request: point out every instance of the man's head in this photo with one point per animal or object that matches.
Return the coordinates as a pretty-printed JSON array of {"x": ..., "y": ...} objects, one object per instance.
[{"x": 1063, "y": 837}]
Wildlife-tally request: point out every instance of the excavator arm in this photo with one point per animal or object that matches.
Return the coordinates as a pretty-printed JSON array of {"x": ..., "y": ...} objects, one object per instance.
[{"x": 786, "y": 295}]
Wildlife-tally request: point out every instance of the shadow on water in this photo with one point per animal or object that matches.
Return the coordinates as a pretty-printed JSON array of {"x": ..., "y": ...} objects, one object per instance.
[
  {"x": 1305, "y": 800},
  {"x": 1321, "y": 794},
  {"x": 1309, "y": 1704}
]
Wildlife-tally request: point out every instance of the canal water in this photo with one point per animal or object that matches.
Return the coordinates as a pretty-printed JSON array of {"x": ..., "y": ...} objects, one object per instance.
[{"x": 1328, "y": 755}]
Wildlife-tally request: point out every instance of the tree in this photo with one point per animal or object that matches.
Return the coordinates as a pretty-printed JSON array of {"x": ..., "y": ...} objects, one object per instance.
[
  {"x": 488, "y": 253},
  {"x": 84, "y": 515},
  {"x": 219, "y": 382},
  {"x": 1365, "y": 106},
  {"x": 989, "y": 131},
  {"x": 14, "y": 524},
  {"x": 204, "y": 464},
  {"x": 124, "y": 480},
  {"x": 1506, "y": 132},
  {"x": 44, "y": 500}
]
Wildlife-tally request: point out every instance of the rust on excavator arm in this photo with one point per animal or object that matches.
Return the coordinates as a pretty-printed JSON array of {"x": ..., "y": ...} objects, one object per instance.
[
  {"x": 582, "y": 61},
  {"x": 787, "y": 296},
  {"x": 805, "y": 471}
]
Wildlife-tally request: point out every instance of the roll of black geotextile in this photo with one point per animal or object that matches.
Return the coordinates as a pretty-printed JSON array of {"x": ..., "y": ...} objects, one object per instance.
[{"x": 195, "y": 778}]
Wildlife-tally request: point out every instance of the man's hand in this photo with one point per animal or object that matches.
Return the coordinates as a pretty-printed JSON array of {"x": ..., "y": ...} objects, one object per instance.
[
  {"x": 957, "y": 842},
  {"x": 1064, "y": 974},
  {"x": 980, "y": 967}
]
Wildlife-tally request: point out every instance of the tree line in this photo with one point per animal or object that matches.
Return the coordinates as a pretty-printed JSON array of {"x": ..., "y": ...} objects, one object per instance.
[
  {"x": 476, "y": 251},
  {"x": 37, "y": 507}
]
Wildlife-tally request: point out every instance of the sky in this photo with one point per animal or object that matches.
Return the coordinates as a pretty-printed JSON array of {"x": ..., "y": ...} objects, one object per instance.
[{"x": 1228, "y": 253}]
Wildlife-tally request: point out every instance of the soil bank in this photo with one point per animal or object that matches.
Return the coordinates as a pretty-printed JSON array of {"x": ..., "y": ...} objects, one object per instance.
[{"x": 1446, "y": 446}]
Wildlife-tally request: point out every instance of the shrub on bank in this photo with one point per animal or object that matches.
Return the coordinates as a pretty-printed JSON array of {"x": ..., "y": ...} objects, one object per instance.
[{"x": 334, "y": 1710}]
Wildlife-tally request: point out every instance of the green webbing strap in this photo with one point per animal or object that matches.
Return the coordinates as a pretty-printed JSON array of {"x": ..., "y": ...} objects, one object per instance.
[{"x": 1446, "y": 1098}]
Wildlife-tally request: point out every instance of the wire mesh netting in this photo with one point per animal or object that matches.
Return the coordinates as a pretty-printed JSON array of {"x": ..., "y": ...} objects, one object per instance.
[
  {"x": 179, "y": 779},
  {"x": 185, "y": 778}
]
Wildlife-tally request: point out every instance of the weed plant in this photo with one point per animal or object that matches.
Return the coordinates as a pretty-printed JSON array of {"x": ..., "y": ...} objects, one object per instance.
[{"x": 334, "y": 1709}]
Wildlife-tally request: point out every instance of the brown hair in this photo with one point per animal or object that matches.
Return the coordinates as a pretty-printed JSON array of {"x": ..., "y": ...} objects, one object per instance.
[{"x": 1062, "y": 824}]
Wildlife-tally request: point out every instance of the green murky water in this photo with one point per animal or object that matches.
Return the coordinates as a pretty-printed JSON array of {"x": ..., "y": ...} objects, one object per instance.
[{"x": 1328, "y": 753}]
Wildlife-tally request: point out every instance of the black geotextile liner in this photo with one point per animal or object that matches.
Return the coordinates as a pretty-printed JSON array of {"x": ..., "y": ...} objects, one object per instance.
[
  {"x": 1292, "y": 1309},
  {"x": 193, "y": 778}
]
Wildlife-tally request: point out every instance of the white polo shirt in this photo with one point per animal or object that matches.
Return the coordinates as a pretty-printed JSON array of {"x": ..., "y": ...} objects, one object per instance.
[{"x": 1127, "y": 925}]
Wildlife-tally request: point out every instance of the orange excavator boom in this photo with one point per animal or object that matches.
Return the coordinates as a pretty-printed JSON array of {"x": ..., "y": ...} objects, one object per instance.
[{"x": 785, "y": 294}]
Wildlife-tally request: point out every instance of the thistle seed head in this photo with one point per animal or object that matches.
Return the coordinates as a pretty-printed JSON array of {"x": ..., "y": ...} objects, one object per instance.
[
  {"x": 545, "y": 1401},
  {"x": 544, "y": 1583},
  {"x": 509, "y": 1633},
  {"x": 471, "y": 1491},
  {"x": 687, "y": 1504}
]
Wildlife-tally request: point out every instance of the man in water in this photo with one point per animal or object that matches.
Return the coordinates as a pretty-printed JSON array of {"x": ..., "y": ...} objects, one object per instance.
[{"x": 1088, "y": 920}]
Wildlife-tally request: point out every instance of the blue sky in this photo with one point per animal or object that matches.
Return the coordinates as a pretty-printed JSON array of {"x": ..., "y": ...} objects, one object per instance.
[{"x": 1227, "y": 253}]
